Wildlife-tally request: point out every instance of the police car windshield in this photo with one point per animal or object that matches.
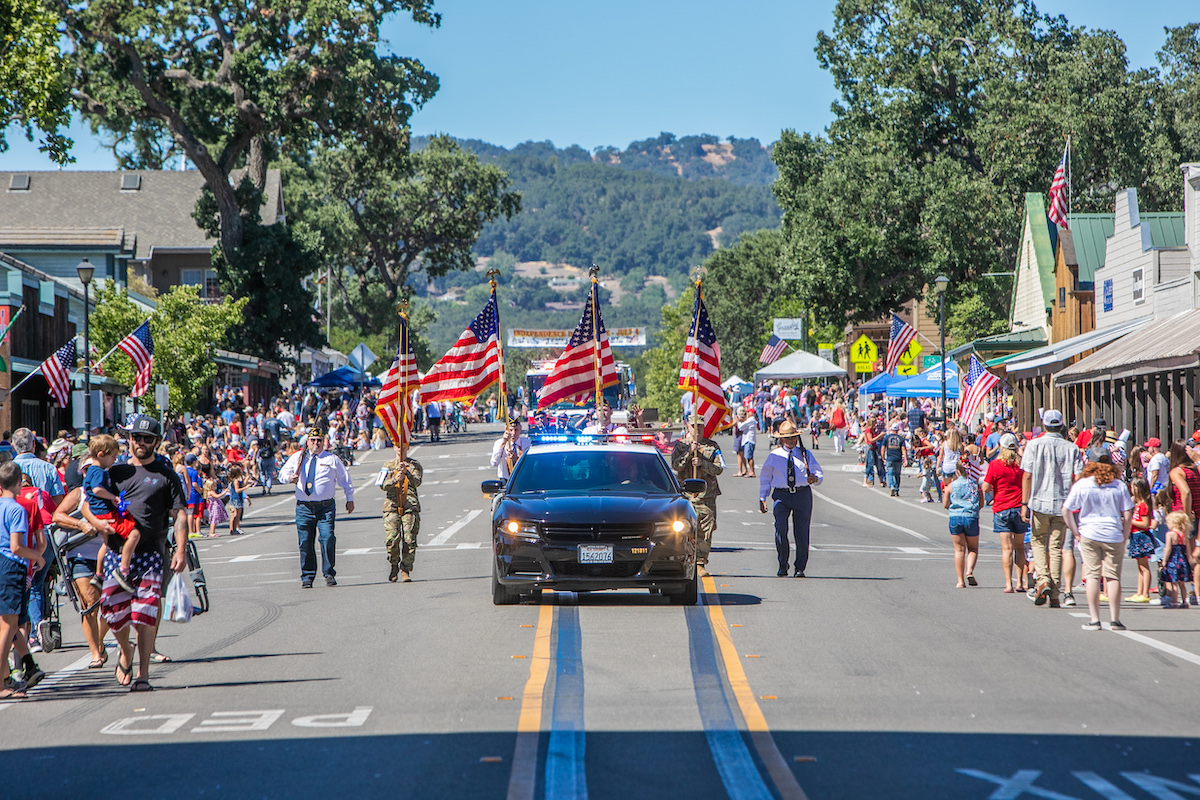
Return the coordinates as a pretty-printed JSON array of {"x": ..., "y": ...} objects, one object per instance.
[{"x": 610, "y": 469}]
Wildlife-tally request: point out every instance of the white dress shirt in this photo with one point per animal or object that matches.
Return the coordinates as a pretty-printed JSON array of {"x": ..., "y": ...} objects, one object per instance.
[
  {"x": 498, "y": 455},
  {"x": 330, "y": 474},
  {"x": 773, "y": 473}
]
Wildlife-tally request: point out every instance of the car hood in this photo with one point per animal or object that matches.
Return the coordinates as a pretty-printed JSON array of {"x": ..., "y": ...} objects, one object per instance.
[{"x": 595, "y": 509}]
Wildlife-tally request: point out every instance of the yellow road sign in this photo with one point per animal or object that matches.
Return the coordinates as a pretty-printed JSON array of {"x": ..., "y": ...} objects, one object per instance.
[
  {"x": 907, "y": 369},
  {"x": 911, "y": 355},
  {"x": 863, "y": 351}
]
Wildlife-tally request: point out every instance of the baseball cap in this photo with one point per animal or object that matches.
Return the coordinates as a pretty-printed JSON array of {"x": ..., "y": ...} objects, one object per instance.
[
  {"x": 1153, "y": 442},
  {"x": 1008, "y": 441},
  {"x": 1100, "y": 423},
  {"x": 895, "y": 427},
  {"x": 190, "y": 458},
  {"x": 145, "y": 424},
  {"x": 1053, "y": 418},
  {"x": 79, "y": 451},
  {"x": 1196, "y": 436}
]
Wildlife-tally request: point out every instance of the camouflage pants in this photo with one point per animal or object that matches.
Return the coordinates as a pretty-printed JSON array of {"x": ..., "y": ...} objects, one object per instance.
[
  {"x": 401, "y": 542},
  {"x": 706, "y": 517}
]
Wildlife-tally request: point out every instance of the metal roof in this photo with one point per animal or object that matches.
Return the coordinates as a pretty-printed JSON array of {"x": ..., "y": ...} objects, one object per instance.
[
  {"x": 1044, "y": 236},
  {"x": 1069, "y": 348},
  {"x": 1089, "y": 235},
  {"x": 1167, "y": 228},
  {"x": 1172, "y": 343},
  {"x": 1012, "y": 340}
]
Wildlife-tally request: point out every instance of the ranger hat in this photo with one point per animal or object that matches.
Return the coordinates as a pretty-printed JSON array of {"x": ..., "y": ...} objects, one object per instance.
[{"x": 787, "y": 430}]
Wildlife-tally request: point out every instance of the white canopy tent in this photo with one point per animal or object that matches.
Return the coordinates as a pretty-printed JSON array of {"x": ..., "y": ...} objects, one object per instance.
[
  {"x": 799, "y": 364},
  {"x": 731, "y": 382}
]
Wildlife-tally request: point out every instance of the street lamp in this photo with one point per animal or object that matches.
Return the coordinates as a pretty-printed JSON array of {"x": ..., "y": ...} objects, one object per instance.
[
  {"x": 939, "y": 284},
  {"x": 86, "y": 270}
]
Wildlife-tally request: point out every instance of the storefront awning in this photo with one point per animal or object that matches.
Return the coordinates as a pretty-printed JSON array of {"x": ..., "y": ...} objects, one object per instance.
[
  {"x": 1165, "y": 344},
  {"x": 1019, "y": 341},
  {"x": 1047, "y": 359}
]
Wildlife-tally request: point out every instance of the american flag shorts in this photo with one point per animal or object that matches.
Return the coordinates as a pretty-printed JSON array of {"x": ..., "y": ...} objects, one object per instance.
[{"x": 119, "y": 607}]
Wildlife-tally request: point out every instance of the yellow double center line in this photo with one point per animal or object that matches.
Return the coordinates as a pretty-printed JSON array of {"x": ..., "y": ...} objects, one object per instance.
[{"x": 523, "y": 780}]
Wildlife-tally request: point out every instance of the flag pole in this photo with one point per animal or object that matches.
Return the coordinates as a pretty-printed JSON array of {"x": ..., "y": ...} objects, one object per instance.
[
  {"x": 8, "y": 327},
  {"x": 115, "y": 346},
  {"x": 594, "y": 271},
  {"x": 502, "y": 406},
  {"x": 696, "y": 371},
  {"x": 1068, "y": 180},
  {"x": 402, "y": 399}
]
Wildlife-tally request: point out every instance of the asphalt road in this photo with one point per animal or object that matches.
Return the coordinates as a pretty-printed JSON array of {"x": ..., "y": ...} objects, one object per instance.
[{"x": 873, "y": 677}]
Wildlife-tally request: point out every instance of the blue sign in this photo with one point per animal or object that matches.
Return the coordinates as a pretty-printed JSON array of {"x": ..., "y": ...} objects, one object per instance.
[{"x": 1108, "y": 294}]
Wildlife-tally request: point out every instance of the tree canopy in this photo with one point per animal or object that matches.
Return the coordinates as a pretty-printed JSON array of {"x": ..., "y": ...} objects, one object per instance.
[{"x": 34, "y": 89}]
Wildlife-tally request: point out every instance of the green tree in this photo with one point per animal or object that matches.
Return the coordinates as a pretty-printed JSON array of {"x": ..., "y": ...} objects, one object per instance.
[
  {"x": 659, "y": 381},
  {"x": 739, "y": 284},
  {"x": 229, "y": 82},
  {"x": 187, "y": 332},
  {"x": 34, "y": 90},
  {"x": 382, "y": 217}
]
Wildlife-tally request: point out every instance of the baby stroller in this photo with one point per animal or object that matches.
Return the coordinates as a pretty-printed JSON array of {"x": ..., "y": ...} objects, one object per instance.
[{"x": 196, "y": 572}]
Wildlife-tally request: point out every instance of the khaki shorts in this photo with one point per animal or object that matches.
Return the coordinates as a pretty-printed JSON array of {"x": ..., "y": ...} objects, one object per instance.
[{"x": 1101, "y": 557}]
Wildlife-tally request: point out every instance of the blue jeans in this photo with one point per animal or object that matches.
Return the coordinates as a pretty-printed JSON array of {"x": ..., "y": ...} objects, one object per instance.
[
  {"x": 266, "y": 471},
  {"x": 893, "y": 474},
  {"x": 798, "y": 506},
  {"x": 37, "y": 593},
  {"x": 1010, "y": 521},
  {"x": 873, "y": 464},
  {"x": 315, "y": 520}
]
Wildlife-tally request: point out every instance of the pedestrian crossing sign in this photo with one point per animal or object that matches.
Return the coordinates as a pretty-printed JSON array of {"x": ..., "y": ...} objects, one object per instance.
[
  {"x": 909, "y": 358},
  {"x": 863, "y": 354}
]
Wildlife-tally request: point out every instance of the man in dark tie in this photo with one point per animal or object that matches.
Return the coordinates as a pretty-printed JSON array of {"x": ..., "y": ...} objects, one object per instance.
[
  {"x": 786, "y": 475},
  {"x": 317, "y": 473}
]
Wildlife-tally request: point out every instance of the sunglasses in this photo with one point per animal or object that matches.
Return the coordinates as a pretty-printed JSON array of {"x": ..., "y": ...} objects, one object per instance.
[{"x": 143, "y": 438}]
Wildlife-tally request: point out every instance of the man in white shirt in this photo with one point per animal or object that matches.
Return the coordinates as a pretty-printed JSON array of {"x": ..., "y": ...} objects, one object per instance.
[
  {"x": 317, "y": 473},
  {"x": 1158, "y": 471},
  {"x": 509, "y": 448},
  {"x": 605, "y": 425}
]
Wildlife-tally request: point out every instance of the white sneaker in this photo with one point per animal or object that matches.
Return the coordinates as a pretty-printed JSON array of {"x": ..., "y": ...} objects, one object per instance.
[{"x": 1068, "y": 599}]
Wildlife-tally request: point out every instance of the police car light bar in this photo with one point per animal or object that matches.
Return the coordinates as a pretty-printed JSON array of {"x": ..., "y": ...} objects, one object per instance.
[{"x": 591, "y": 438}]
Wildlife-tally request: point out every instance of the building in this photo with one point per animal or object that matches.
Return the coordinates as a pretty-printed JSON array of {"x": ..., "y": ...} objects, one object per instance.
[{"x": 135, "y": 223}]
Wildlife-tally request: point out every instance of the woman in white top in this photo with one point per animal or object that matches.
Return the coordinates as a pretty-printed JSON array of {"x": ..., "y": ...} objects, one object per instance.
[
  {"x": 749, "y": 431},
  {"x": 1099, "y": 510},
  {"x": 951, "y": 449}
]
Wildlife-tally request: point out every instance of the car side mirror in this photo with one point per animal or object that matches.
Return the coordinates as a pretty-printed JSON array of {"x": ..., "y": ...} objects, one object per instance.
[
  {"x": 695, "y": 486},
  {"x": 492, "y": 487}
]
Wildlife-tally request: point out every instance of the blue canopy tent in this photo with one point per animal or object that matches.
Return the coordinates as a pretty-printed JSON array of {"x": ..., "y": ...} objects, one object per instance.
[
  {"x": 344, "y": 377},
  {"x": 928, "y": 383},
  {"x": 879, "y": 383}
]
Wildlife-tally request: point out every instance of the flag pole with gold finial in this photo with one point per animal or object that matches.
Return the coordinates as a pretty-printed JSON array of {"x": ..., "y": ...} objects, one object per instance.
[
  {"x": 502, "y": 406},
  {"x": 696, "y": 371},
  {"x": 402, "y": 400},
  {"x": 594, "y": 271}
]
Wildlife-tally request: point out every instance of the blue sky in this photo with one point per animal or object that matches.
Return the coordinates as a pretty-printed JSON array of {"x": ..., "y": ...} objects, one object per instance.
[{"x": 611, "y": 73}]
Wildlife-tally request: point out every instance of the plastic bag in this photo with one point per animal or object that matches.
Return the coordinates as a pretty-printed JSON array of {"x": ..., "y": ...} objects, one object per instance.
[{"x": 177, "y": 605}]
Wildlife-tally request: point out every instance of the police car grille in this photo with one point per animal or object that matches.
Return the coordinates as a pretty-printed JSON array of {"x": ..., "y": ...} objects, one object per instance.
[
  {"x": 596, "y": 533},
  {"x": 619, "y": 569}
]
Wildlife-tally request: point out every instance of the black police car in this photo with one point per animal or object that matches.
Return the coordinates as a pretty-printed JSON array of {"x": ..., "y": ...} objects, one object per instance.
[{"x": 586, "y": 516}]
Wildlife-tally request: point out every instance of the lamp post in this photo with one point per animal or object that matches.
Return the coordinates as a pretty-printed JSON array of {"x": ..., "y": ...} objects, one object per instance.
[
  {"x": 939, "y": 284},
  {"x": 86, "y": 270}
]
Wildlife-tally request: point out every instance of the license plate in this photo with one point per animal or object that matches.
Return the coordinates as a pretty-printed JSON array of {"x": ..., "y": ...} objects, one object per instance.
[{"x": 595, "y": 554}]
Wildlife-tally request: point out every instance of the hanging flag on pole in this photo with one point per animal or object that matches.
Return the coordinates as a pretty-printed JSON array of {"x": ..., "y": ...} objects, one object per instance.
[
  {"x": 57, "y": 371},
  {"x": 588, "y": 352},
  {"x": 899, "y": 339},
  {"x": 773, "y": 350},
  {"x": 701, "y": 370},
  {"x": 978, "y": 383},
  {"x": 1059, "y": 210},
  {"x": 472, "y": 364},
  {"x": 139, "y": 346},
  {"x": 394, "y": 407}
]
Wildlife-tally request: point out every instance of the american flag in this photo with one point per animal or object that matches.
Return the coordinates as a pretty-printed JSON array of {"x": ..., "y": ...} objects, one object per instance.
[
  {"x": 978, "y": 383},
  {"x": 139, "y": 346},
  {"x": 472, "y": 364},
  {"x": 1058, "y": 192},
  {"x": 400, "y": 378},
  {"x": 899, "y": 339},
  {"x": 97, "y": 368},
  {"x": 701, "y": 370},
  {"x": 573, "y": 376},
  {"x": 773, "y": 350},
  {"x": 57, "y": 369}
]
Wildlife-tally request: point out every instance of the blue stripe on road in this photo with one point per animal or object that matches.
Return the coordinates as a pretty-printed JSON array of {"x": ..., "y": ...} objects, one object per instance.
[
  {"x": 732, "y": 758},
  {"x": 566, "y": 778}
]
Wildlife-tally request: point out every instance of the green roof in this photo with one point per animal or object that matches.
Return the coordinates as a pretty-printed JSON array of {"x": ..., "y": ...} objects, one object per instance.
[
  {"x": 1089, "y": 233},
  {"x": 1021, "y": 340},
  {"x": 1043, "y": 237},
  {"x": 1166, "y": 228}
]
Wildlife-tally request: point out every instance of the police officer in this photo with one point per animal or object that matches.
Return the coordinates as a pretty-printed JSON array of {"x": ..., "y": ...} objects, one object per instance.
[
  {"x": 700, "y": 459},
  {"x": 787, "y": 474},
  {"x": 401, "y": 520}
]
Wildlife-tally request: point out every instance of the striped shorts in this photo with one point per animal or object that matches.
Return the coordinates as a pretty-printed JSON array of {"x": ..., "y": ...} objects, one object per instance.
[{"x": 119, "y": 607}]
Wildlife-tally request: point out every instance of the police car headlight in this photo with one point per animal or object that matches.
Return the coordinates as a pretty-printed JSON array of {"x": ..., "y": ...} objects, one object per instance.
[
  {"x": 519, "y": 529},
  {"x": 672, "y": 527}
]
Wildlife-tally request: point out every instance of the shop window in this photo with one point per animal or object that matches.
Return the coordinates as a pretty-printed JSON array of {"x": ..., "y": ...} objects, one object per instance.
[
  {"x": 1062, "y": 298},
  {"x": 1139, "y": 291}
]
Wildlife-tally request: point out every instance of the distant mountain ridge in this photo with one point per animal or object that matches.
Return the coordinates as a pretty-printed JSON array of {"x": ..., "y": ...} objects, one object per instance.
[{"x": 661, "y": 205}]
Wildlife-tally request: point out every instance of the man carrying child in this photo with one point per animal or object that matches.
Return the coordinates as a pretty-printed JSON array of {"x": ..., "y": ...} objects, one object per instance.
[{"x": 107, "y": 506}]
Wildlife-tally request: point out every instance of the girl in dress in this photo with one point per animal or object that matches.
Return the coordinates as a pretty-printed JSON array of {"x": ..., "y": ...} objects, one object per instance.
[
  {"x": 1175, "y": 571},
  {"x": 1141, "y": 544},
  {"x": 237, "y": 498},
  {"x": 214, "y": 501}
]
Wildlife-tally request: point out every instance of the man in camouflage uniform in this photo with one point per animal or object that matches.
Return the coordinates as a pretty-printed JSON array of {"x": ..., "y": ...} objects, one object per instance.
[
  {"x": 401, "y": 525},
  {"x": 700, "y": 459}
]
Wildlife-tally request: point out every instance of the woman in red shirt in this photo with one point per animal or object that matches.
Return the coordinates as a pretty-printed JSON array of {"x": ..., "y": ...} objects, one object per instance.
[{"x": 1003, "y": 481}]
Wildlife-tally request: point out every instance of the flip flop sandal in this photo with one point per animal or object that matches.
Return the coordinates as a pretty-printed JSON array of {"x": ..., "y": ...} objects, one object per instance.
[
  {"x": 971, "y": 581},
  {"x": 128, "y": 672},
  {"x": 141, "y": 685},
  {"x": 96, "y": 664},
  {"x": 159, "y": 658},
  {"x": 10, "y": 694}
]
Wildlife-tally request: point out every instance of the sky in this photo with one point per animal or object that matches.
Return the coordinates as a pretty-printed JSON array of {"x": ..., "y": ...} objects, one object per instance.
[{"x": 608, "y": 74}]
